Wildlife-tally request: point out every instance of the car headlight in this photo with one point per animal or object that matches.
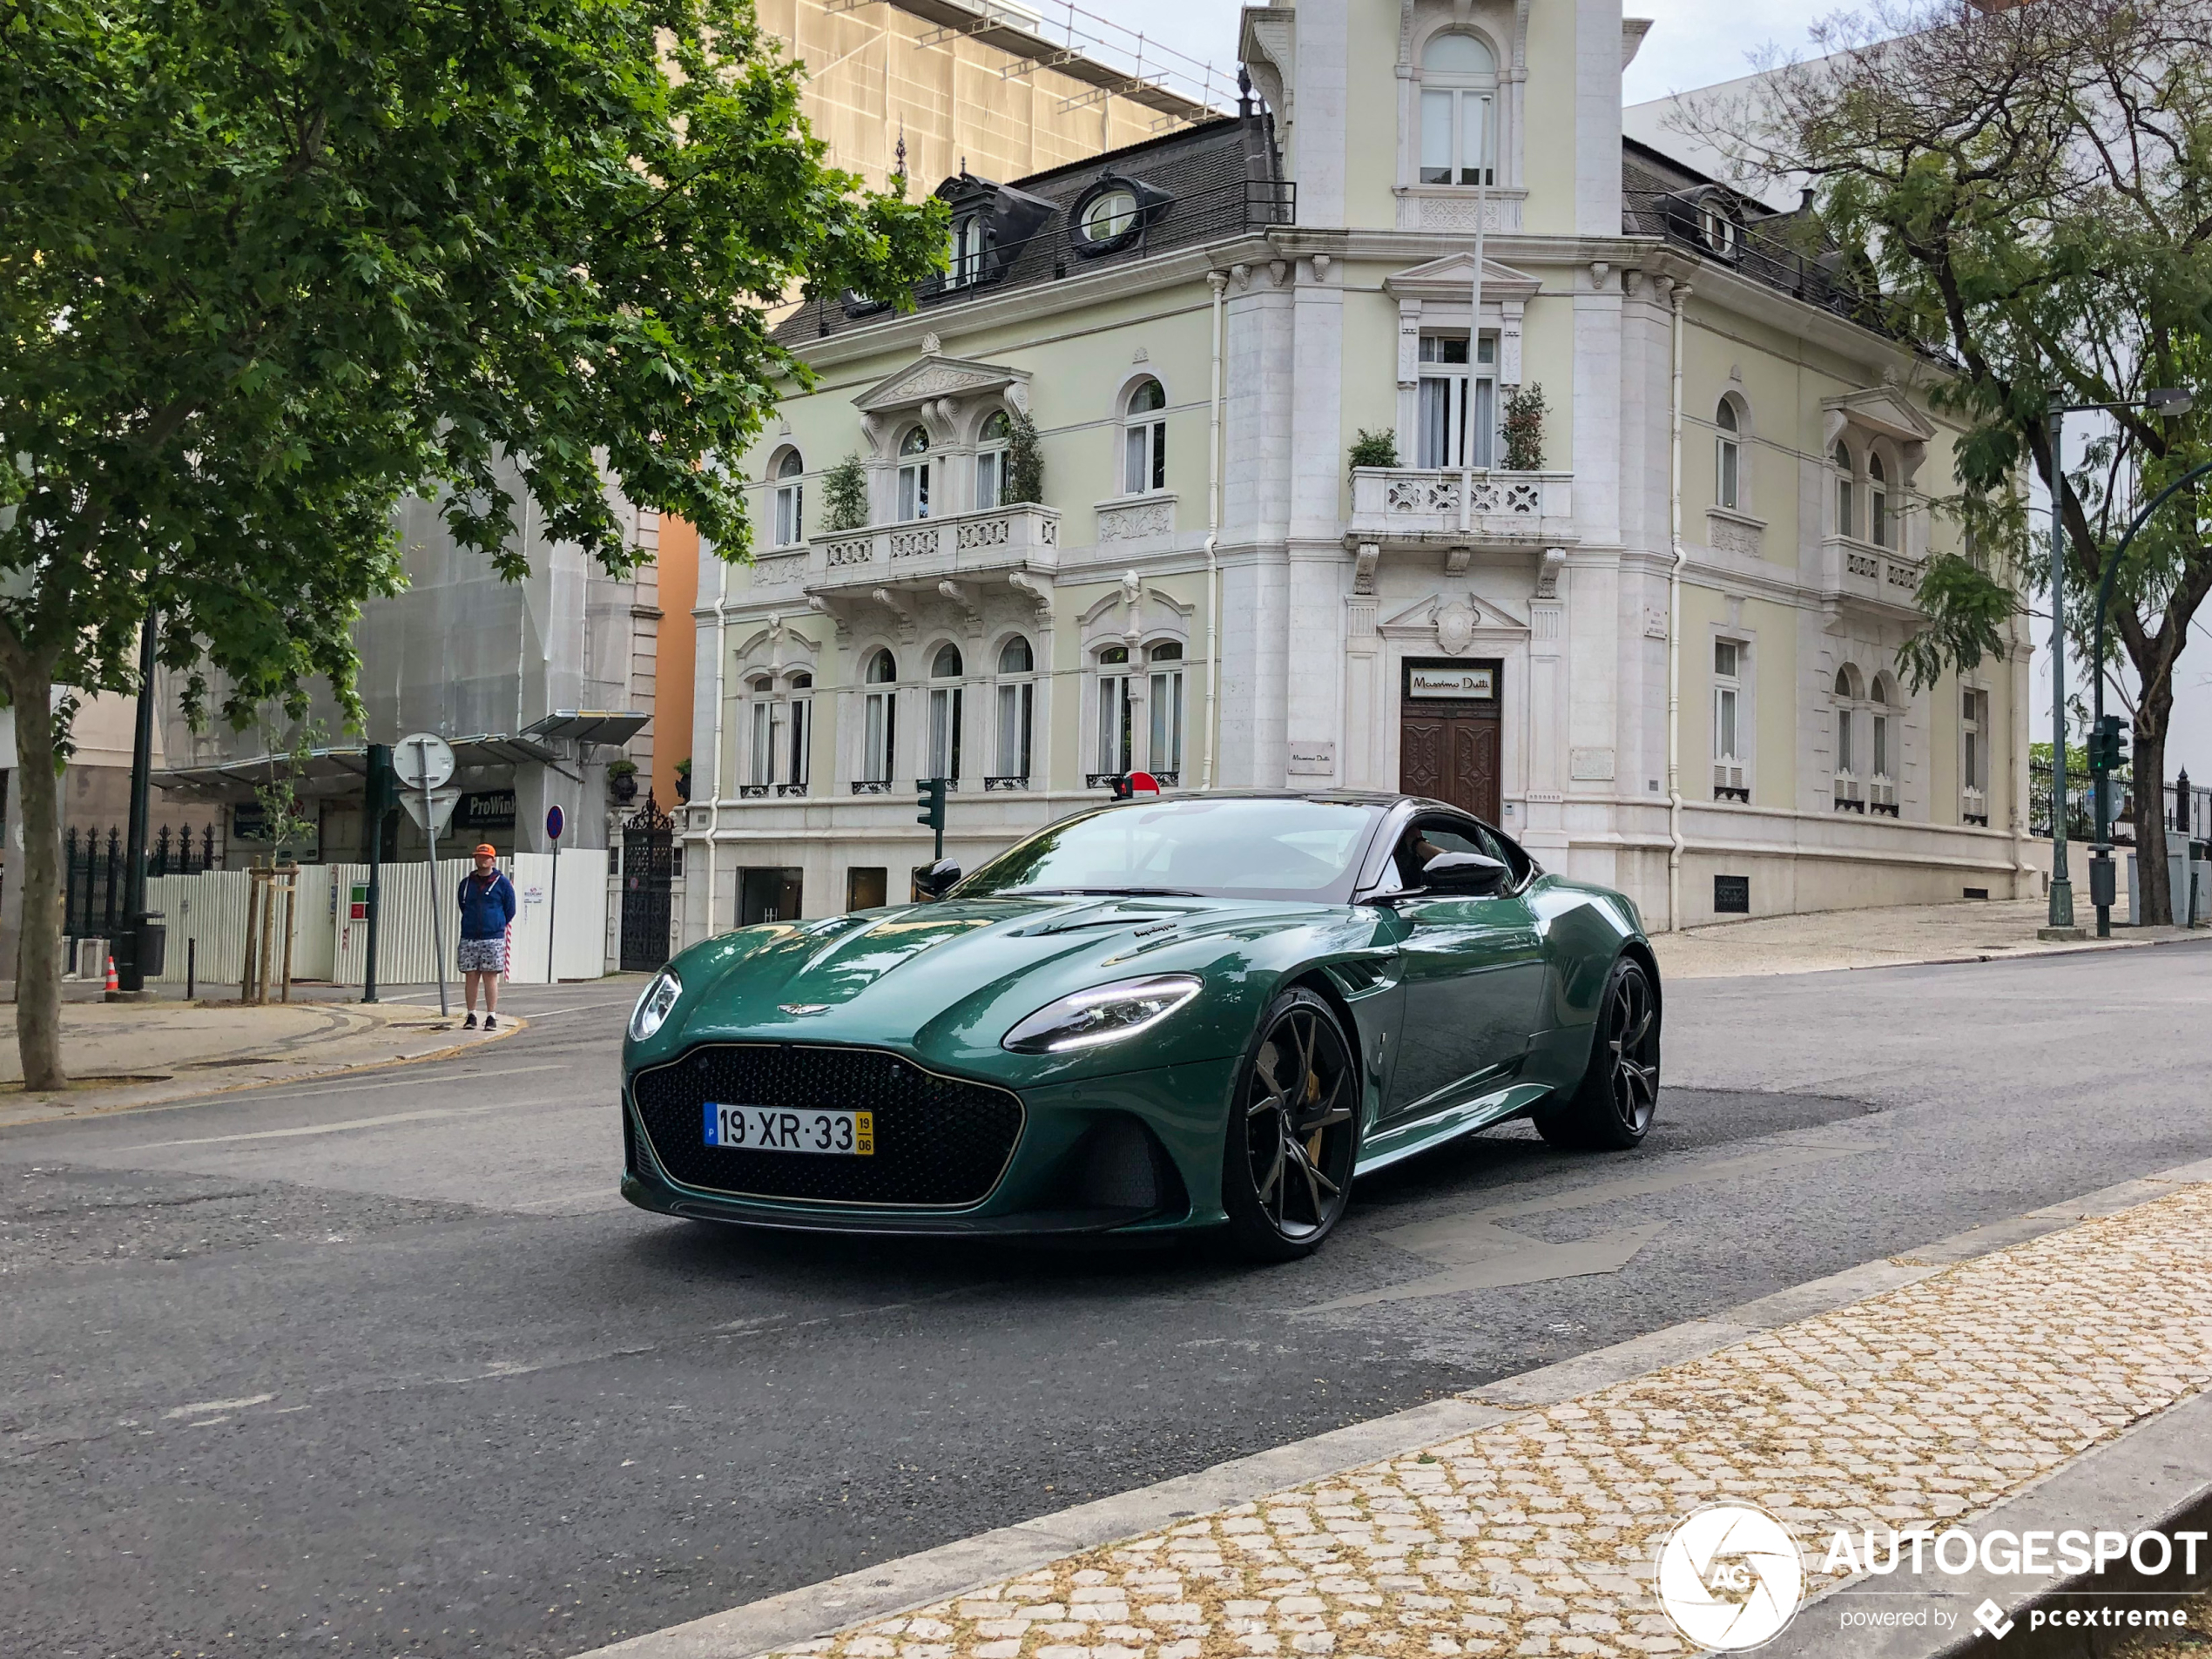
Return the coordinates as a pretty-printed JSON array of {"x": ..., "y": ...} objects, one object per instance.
[
  {"x": 652, "y": 1007},
  {"x": 1104, "y": 1014}
]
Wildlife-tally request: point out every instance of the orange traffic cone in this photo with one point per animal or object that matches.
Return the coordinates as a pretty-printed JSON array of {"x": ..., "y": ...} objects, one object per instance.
[{"x": 112, "y": 983}]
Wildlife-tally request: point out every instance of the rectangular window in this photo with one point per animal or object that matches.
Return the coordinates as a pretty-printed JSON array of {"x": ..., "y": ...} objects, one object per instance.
[
  {"x": 1114, "y": 713},
  {"x": 1724, "y": 701},
  {"x": 1725, "y": 491},
  {"x": 1165, "y": 707},
  {"x": 802, "y": 741},
  {"x": 867, "y": 887},
  {"x": 764, "y": 742},
  {"x": 1436, "y": 137},
  {"x": 1145, "y": 466},
  {"x": 1878, "y": 513},
  {"x": 789, "y": 517},
  {"x": 1729, "y": 780},
  {"x": 1843, "y": 743},
  {"x": 913, "y": 490},
  {"x": 990, "y": 479},
  {"x": 878, "y": 737},
  {"x": 1881, "y": 745},
  {"x": 1845, "y": 518},
  {"x": 1455, "y": 137},
  {"x": 944, "y": 731},
  {"x": 1974, "y": 758},
  {"x": 1016, "y": 705},
  {"x": 1457, "y": 403}
]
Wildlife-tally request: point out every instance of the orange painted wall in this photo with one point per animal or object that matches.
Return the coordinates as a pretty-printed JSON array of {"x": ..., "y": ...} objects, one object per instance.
[{"x": 675, "y": 656}]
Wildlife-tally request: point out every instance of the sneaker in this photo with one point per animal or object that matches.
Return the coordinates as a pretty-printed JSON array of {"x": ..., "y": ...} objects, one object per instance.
[
  {"x": 468, "y": 1024},
  {"x": 490, "y": 1019}
]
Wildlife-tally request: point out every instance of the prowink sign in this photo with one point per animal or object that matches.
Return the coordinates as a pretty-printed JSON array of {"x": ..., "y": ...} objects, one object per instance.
[{"x": 1456, "y": 684}]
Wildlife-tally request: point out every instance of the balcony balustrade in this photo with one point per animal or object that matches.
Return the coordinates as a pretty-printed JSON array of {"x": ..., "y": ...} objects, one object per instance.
[
  {"x": 919, "y": 553},
  {"x": 1444, "y": 504}
]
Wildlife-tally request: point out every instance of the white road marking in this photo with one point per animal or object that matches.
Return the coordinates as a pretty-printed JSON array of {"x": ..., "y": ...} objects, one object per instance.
[
  {"x": 199, "y": 1407},
  {"x": 347, "y": 1088}
]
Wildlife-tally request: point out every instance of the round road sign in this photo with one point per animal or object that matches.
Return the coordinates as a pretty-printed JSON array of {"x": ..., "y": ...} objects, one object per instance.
[
  {"x": 1144, "y": 783},
  {"x": 423, "y": 759},
  {"x": 555, "y": 823}
]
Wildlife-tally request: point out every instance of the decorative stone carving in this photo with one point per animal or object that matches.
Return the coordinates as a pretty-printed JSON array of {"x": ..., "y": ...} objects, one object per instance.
[
  {"x": 1455, "y": 625},
  {"x": 781, "y": 572},
  {"x": 1548, "y": 569},
  {"x": 1725, "y": 534},
  {"x": 899, "y": 609},
  {"x": 1136, "y": 520},
  {"x": 1362, "y": 568},
  {"x": 1037, "y": 594},
  {"x": 860, "y": 551}
]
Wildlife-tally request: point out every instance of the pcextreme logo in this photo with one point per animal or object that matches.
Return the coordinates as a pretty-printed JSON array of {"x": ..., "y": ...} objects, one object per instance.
[{"x": 1730, "y": 1577}]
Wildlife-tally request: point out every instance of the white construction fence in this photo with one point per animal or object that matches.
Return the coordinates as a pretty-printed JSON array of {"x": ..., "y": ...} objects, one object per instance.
[{"x": 207, "y": 921}]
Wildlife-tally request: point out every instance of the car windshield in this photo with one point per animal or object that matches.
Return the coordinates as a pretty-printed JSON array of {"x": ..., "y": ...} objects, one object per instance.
[{"x": 1244, "y": 849}]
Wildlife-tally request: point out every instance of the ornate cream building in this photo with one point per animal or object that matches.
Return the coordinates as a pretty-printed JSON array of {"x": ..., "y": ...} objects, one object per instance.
[{"x": 1649, "y": 630}]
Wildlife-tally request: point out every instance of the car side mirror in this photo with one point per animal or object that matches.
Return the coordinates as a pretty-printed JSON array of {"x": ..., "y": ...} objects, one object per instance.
[
  {"x": 1471, "y": 874},
  {"x": 935, "y": 881}
]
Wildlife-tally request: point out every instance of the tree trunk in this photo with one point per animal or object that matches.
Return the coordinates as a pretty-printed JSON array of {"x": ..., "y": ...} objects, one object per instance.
[
  {"x": 2154, "y": 892},
  {"x": 38, "y": 959}
]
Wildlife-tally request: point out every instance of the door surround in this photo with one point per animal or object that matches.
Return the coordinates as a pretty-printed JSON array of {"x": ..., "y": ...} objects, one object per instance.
[{"x": 1451, "y": 746}]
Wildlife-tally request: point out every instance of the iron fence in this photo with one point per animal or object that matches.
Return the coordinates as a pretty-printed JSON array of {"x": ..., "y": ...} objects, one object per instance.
[
  {"x": 2187, "y": 807},
  {"x": 94, "y": 885},
  {"x": 1707, "y": 226}
]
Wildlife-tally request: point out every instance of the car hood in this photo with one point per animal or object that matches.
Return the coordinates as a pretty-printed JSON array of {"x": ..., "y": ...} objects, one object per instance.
[{"x": 948, "y": 980}]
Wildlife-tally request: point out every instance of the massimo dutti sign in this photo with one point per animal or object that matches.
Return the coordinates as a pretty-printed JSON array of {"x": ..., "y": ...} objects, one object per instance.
[{"x": 1452, "y": 684}]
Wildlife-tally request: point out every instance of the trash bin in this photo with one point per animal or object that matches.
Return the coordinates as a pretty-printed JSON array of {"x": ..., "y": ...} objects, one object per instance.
[{"x": 153, "y": 947}]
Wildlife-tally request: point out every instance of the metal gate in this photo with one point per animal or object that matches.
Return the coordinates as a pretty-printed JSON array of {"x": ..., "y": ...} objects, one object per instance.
[{"x": 648, "y": 868}]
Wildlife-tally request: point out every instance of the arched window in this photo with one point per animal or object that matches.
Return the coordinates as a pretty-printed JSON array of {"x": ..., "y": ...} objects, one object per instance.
[
  {"x": 1164, "y": 702},
  {"x": 1846, "y": 516},
  {"x": 1017, "y": 713},
  {"x": 800, "y": 769},
  {"x": 991, "y": 449},
  {"x": 944, "y": 714},
  {"x": 1728, "y": 456},
  {"x": 914, "y": 475},
  {"x": 1114, "y": 703},
  {"x": 1882, "y": 756},
  {"x": 1459, "y": 94},
  {"x": 1144, "y": 439},
  {"x": 1877, "y": 502},
  {"x": 879, "y": 722},
  {"x": 1850, "y": 793},
  {"x": 763, "y": 767},
  {"x": 791, "y": 518}
]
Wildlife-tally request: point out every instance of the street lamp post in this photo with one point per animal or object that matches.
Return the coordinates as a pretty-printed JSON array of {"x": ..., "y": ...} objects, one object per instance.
[{"x": 2164, "y": 401}]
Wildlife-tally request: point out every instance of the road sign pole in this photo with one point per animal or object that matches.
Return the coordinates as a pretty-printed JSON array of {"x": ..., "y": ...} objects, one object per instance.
[
  {"x": 374, "y": 807},
  {"x": 437, "y": 904},
  {"x": 554, "y": 821}
]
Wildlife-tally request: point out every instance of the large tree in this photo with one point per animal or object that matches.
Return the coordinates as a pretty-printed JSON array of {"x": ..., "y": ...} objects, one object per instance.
[
  {"x": 2033, "y": 188},
  {"x": 269, "y": 265}
]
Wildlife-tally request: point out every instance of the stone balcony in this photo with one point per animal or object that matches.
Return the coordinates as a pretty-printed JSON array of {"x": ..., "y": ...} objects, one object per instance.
[
  {"x": 1400, "y": 504},
  {"x": 1860, "y": 573},
  {"x": 918, "y": 554}
]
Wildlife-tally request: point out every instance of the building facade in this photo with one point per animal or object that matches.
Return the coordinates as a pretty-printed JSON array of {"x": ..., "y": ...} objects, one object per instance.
[{"x": 1636, "y": 526}]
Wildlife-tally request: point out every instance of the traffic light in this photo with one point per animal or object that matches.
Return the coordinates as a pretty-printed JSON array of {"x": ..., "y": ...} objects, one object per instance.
[
  {"x": 933, "y": 808},
  {"x": 2108, "y": 744}
]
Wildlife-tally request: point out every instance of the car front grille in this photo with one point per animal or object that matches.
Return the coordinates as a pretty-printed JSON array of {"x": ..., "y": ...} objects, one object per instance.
[{"x": 940, "y": 1143}]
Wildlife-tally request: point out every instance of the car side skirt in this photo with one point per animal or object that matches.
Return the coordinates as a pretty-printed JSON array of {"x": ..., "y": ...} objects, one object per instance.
[{"x": 1385, "y": 1147}]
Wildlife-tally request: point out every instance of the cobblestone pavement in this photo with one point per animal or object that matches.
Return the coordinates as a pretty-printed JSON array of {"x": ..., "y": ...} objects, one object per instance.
[{"x": 1538, "y": 1535}]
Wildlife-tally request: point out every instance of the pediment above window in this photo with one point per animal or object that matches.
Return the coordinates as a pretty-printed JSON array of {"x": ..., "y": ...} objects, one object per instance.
[
  {"x": 1878, "y": 408},
  {"x": 1450, "y": 278},
  {"x": 933, "y": 377}
]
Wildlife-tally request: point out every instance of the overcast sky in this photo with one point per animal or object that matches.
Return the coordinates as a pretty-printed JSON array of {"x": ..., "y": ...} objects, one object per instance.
[{"x": 1692, "y": 42}]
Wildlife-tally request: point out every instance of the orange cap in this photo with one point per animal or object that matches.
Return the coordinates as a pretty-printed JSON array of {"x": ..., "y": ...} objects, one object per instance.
[{"x": 486, "y": 850}]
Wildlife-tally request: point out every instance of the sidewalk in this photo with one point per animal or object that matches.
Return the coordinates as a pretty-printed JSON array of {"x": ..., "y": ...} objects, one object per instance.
[
  {"x": 1972, "y": 930},
  {"x": 1951, "y": 1388},
  {"x": 125, "y": 1055}
]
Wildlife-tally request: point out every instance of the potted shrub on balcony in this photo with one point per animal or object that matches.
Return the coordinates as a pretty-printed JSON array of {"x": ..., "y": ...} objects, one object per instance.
[
  {"x": 1024, "y": 460},
  {"x": 845, "y": 490},
  {"x": 684, "y": 779},
  {"x": 1374, "y": 449},
  {"x": 1523, "y": 426}
]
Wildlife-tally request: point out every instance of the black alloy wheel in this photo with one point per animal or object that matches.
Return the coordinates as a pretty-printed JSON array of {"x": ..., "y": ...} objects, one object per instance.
[
  {"x": 1618, "y": 1095},
  {"x": 1293, "y": 1130}
]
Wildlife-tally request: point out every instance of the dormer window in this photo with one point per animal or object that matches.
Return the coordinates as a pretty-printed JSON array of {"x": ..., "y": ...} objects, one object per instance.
[
  {"x": 1459, "y": 99},
  {"x": 1113, "y": 214},
  {"x": 964, "y": 258}
]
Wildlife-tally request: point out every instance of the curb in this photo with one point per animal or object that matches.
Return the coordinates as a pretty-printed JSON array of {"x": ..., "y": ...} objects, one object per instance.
[{"x": 934, "y": 1576}]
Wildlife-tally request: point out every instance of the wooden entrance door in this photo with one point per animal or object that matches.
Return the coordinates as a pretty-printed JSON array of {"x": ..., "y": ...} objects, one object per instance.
[{"x": 1448, "y": 748}]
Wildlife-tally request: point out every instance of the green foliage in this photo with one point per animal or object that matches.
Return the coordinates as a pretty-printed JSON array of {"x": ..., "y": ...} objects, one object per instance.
[
  {"x": 283, "y": 824},
  {"x": 273, "y": 264},
  {"x": 1523, "y": 425},
  {"x": 845, "y": 489},
  {"x": 1024, "y": 460},
  {"x": 1969, "y": 615},
  {"x": 1374, "y": 448}
]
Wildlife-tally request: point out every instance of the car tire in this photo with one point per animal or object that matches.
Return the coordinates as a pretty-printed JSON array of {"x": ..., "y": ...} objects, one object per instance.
[
  {"x": 1291, "y": 1141},
  {"x": 1612, "y": 1109}
]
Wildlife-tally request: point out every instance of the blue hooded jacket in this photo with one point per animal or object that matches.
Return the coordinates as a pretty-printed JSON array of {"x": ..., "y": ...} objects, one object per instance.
[{"x": 486, "y": 907}]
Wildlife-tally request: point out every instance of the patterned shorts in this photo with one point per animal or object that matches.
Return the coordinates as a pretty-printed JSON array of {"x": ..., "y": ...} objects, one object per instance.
[{"x": 482, "y": 956}]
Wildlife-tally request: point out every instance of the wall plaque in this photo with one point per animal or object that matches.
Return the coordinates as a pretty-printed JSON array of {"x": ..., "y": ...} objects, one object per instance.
[{"x": 1452, "y": 684}]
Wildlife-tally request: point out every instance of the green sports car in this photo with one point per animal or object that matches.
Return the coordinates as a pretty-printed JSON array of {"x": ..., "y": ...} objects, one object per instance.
[{"x": 1149, "y": 1017}]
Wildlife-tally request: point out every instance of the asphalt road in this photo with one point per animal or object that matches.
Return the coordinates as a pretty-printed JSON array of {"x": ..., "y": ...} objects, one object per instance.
[{"x": 384, "y": 1366}]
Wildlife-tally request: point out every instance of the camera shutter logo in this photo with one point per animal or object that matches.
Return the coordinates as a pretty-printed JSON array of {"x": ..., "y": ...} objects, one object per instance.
[{"x": 1730, "y": 1577}]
